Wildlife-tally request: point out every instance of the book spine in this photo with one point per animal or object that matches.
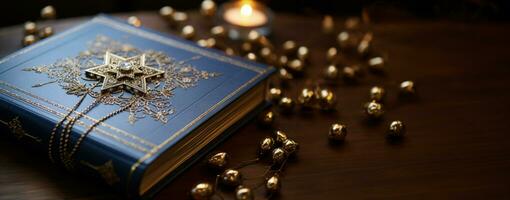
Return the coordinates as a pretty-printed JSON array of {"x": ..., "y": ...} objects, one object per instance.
[{"x": 93, "y": 159}]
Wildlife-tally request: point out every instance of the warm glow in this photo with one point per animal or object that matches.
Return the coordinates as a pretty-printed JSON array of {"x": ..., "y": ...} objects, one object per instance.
[{"x": 246, "y": 10}]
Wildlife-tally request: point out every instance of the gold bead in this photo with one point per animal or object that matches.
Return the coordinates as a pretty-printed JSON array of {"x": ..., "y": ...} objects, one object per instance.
[
  {"x": 328, "y": 24},
  {"x": 374, "y": 110},
  {"x": 274, "y": 94},
  {"x": 264, "y": 42},
  {"x": 134, "y": 21},
  {"x": 407, "y": 88},
  {"x": 251, "y": 56},
  {"x": 295, "y": 65},
  {"x": 253, "y": 36},
  {"x": 290, "y": 146},
  {"x": 289, "y": 47},
  {"x": 208, "y": 8},
  {"x": 286, "y": 104},
  {"x": 188, "y": 32},
  {"x": 280, "y": 137},
  {"x": 179, "y": 18},
  {"x": 243, "y": 193},
  {"x": 209, "y": 42},
  {"x": 349, "y": 73},
  {"x": 337, "y": 132},
  {"x": 278, "y": 155},
  {"x": 246, "y": 47},
  {"x": 229, "y": 51},
  {"x": 218, "y": 160},
  {"x": 331, "y": 72},
  {"x": 365, "y": 44},
  {"x": 219, "y": 32},
  {"x": 377, "y": 93},
  {"x": 327, "y": 99},
  {"x": 48, "y": 12},
  {"x": 46, "y": 32},
  {"x": 376, "y": 63},
  {"x": 266, "y": 145},
  {"x": 282, "y": 61},
  {"x": 265, "y": 52},
  {"x": 331, "y": 54},
  {"x": 29, "y": 39},
  {"x": 231, "y": 177},
  {"x": 306, "y": 98},
  {"x": 166, "y": 13},
  {"x": 267, "y": 118},
  {"x": 396, "y": 129},
  {"x": 344, "y": 39},
  {"x": 202, "y": 191},
  {"x": 30, "y": 28},
  {"x": 303, "y": 53},
  {"x": 284, "y": 74},
  {"x": 273, "y": 184},
  {"x": 352, "y": 23}
]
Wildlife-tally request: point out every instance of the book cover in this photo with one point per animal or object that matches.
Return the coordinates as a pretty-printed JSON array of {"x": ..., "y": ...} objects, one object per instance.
[{"x": 116, "y": 100}]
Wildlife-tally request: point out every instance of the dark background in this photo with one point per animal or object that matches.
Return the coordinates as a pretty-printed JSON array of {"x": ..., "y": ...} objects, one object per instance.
[{"x": 19, "y": 11}]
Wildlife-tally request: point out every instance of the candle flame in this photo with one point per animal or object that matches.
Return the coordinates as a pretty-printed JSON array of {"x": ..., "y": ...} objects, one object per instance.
[{"x": 246, "y": 10}]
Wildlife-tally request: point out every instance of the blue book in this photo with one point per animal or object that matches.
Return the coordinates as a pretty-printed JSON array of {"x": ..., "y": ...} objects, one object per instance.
[{"x": 126, "y": 104}]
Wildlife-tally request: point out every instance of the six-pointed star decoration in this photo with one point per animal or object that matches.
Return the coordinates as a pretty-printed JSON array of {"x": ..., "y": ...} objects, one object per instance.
[{"x": 119, "y": 73}]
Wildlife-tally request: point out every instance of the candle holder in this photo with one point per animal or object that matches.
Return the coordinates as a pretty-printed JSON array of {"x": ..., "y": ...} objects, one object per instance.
[{"x": 241, "y": 17}]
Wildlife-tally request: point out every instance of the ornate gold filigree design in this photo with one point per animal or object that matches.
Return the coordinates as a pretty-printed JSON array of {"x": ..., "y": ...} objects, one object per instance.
[
  {"x": 17, "y": 129},
  {"x": 154, "y": 102},
  {"x": 106, "y": 170}
]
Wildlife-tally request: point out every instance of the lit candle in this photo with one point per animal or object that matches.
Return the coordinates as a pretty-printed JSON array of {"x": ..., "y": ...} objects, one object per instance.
[{"x": 246, "y": 14}]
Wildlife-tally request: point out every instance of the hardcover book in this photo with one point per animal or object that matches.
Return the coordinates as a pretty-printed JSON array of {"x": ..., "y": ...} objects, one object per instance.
[{"x": 126, "y": 104}]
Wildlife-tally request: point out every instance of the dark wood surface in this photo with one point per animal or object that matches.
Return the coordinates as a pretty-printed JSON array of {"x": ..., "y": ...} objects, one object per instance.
[{"x": 457, "y": 146}]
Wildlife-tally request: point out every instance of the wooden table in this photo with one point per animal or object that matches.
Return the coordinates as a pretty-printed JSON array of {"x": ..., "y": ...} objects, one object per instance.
[{"x": 458, "y": 142}]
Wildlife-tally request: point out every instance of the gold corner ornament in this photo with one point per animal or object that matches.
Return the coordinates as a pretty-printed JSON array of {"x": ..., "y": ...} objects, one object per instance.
[
  {"x": 120, "y": 73},
  {"x": 106, "y": 170}
]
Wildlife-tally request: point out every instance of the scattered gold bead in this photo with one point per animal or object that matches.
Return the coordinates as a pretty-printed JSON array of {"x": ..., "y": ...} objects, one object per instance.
[
  {"x": 166, "y": 12},
  {"x": 209, "y": 42},
  {"x": 282, "y": 61},
  {"x": 331, "y": 54},
  {"x": 243, "y": 193},
  {"x": 231, "y": 177},
  {"x": 374, "y": 110},
  {"x": 327, "y": 99},
  {"x": 273, "y": 184},
  {"x": 202, "y": 42},
  {"x": 202, "y": 191},
  {"x": 286, "y": 104},
  {"x": 266, "y": 145},
  {"x": 344, "y": 39},
  {"x": 285, "y": 75},
  {"x": 265, "y": 52},
  {"x": 349, "y": 73},
  {"x": 274, "y": 94},
  {"x": 188, "y": 32},
  {"x": 337, "y": 132},
  {"x": 376, "y": 63},
  {"x": 328, "y": 24},
  {"x": 30, "y": 28},
  {"x": 407, "y": 88},
  {"x": 218, "y": 160},
  {"x": 280, "y": 137},
  {"x": 251, "y": 56},
  {"x": 229, "y": 51},
  {"x": 303, "y": 53},
  {"x": 253, "y": 36},
  {"x": 208, "y": 8},
  {"x": 296, "y": 65},
  {"x": 365, "y": 44},
  {"x": 46, "y": 32},
  {"x": 28, "y": 40},
  {"x": 48, "y": 12},
  {"x": 306, "y": 98},
  {"x": 352, "y": 23},
  {"x": 290, "y": 146},
  {"x": 278, "y": 155},
  {"x": 331, "y": 72},
  {"x": 179, "y": 17},
  {"x": 377, "y": 93},
  {"x": 396, "y": 129},
  {"x": 264, "y": 42},
  {"x": 289, "y": 47},
  {"x": 246, "y": 47},
  {"x": 267, "y": 118},
  {"x": 219, "y": 32},
  {"x": 134, "y": 21}
]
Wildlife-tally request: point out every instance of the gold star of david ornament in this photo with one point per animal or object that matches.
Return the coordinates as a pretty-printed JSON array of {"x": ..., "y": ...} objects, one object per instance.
[{"x": 120, "y": 73}]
